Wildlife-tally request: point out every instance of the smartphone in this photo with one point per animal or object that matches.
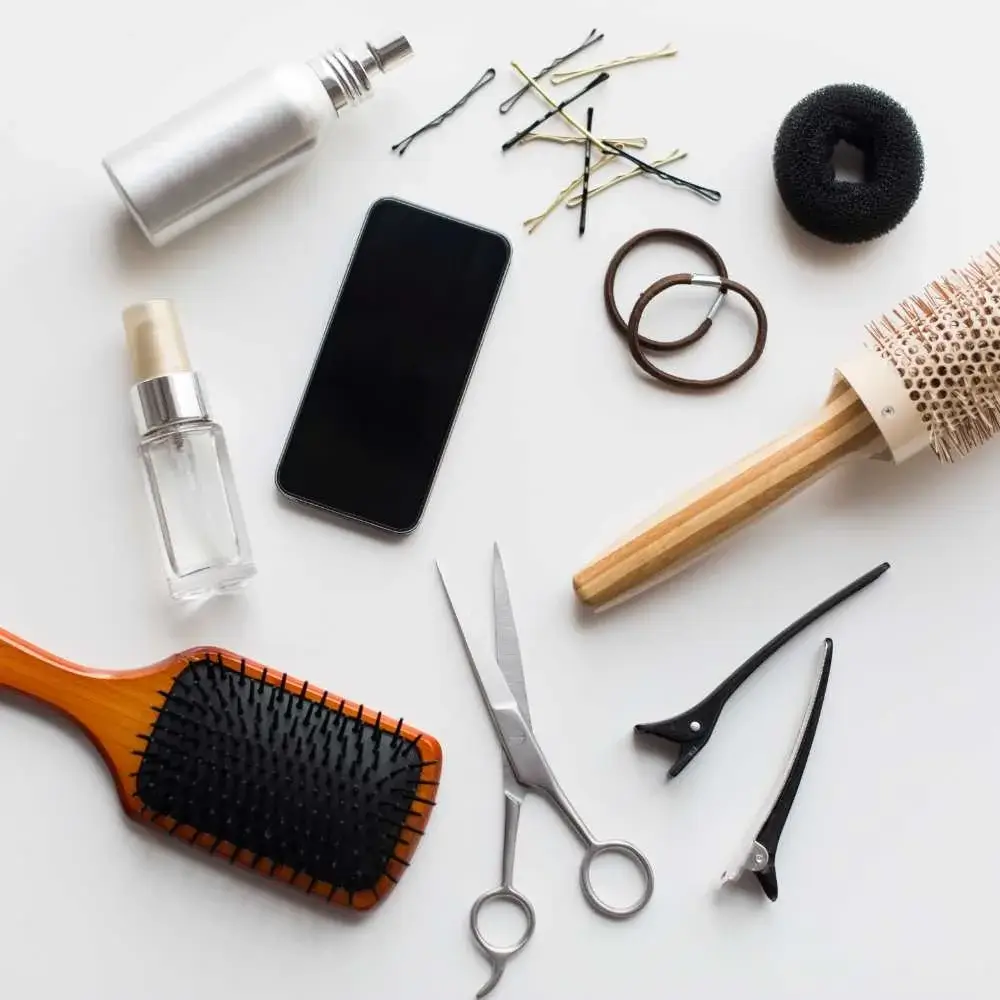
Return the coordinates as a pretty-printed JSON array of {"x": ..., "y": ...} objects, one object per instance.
[{"x": 397, "y": 354}]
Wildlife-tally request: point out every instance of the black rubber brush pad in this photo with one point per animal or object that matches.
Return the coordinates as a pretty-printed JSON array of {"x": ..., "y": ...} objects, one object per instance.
[
  {"x": 844, "y": 211},
  {"x": 298, "y": 785}
]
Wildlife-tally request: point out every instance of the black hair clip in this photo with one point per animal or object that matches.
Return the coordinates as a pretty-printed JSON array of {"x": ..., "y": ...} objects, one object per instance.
[
  {"x": 691, "y": 730},
  {"x": 759, "y": 859}
]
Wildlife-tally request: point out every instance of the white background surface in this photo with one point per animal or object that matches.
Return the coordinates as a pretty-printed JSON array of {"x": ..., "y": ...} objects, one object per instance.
[{"x": 887, "y": 866}]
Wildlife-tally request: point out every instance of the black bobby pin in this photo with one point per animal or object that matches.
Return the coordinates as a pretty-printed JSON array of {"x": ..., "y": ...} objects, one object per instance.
[
  {"x": 596, "y": 82},
  {"x": 404, "y": 144},
  {"x": 592, "y": 39},
  {"x": 586, "y": 173},
  {"x": 614, "y": 149},
  {"x": 709, "y": 194}
]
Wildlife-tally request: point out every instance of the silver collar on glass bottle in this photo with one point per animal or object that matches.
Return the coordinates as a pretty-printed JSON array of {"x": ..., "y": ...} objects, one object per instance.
[{"x": 167, "y": 400}]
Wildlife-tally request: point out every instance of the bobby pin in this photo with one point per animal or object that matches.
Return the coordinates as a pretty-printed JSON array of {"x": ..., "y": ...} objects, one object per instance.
[
  {"x": 404, "y": 144},
  {"x": 536, "y": 220},
  {"x": 586, "y": 173},
  {"x": 635, "y": 142},
  {"x": 664, "y": 53},
  {"x": 556, "y": 110},
  {"x": 672, "y": 157},
  {"x": 592, "y": 39},
  {"x": 708, "y": 193}
]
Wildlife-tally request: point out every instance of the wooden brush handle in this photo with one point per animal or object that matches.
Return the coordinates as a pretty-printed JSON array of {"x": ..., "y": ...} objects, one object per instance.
[
  {"x": 32, "y": 671},
  {"x": 111, "y": 707},
  {"x": 719, "y": 507},
  {"x": 123, "y": 713}
]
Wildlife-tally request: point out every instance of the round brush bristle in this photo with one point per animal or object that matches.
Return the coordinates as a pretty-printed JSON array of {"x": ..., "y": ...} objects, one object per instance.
[{"x": 945, "y": 346}]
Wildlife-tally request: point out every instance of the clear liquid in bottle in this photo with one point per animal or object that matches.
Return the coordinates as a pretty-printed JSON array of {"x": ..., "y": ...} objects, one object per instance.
[{"x": 202, "y": 532}]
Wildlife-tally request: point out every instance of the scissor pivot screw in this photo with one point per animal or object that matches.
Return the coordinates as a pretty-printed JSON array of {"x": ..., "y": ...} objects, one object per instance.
[{"x": 696, "y": 726}]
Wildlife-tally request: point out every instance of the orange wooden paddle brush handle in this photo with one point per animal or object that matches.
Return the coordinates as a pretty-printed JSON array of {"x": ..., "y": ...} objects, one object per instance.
[
  {"x": 119, "y": 710},
  {"x": 729, "y": 501},
  {"x": 32, "y": 671},
  {"x": 111, "y": 707}
]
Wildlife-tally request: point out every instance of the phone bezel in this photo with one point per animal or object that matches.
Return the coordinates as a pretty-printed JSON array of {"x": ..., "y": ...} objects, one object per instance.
[{"x": 313, "y": 502}]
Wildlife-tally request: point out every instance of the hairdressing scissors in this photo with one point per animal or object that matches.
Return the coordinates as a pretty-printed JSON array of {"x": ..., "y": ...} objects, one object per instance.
[{"x": 501, "y": 683}]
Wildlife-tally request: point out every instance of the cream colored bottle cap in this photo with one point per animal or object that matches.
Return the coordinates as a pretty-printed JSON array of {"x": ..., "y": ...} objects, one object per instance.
[{"x": 155, "y": 340}]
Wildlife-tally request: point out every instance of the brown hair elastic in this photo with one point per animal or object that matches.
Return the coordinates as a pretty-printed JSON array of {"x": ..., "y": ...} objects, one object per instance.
[
  {"x": 697, "y": 244},
  {"x": 724, "y": 284}
]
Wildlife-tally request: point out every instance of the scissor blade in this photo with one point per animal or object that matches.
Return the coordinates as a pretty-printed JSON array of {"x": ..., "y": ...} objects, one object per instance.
[
  {"x": 493, "y": 685},
  {"x": 520, "y": 748},
  {"x": 508, "y": 648}
]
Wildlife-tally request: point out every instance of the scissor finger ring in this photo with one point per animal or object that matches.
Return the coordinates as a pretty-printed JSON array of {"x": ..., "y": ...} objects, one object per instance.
[
  {"x": 499, "y": 955},
  {"x": 594, "y": 851}
]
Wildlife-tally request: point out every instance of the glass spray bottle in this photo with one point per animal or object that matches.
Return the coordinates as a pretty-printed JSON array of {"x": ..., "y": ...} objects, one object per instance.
[{"x": 190, "y": 481}]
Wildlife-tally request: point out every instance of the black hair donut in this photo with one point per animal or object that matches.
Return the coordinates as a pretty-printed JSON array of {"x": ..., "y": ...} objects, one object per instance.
[{"x": 845, "y": 211}]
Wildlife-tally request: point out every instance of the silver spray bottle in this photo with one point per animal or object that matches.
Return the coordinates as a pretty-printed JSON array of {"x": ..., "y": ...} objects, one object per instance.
[{"x": 235, "y": 141}]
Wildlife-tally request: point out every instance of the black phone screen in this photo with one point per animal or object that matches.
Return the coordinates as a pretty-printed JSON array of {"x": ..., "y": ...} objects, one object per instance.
[{"x": 392, "y": 369}]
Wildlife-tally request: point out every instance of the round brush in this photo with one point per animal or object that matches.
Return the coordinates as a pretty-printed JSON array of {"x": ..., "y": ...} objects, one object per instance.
[{"x": 928, "y": 377}]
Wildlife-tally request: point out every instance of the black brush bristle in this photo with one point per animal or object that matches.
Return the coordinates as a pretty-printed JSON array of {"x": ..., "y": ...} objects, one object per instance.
[{"x": 269, "y": 771}]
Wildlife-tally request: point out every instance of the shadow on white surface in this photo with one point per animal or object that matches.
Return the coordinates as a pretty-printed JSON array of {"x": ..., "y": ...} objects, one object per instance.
[
  {"x": 816, "y": 250},
  {"x": 658, "y": 750},
  {"x": 342, "y": 522}
]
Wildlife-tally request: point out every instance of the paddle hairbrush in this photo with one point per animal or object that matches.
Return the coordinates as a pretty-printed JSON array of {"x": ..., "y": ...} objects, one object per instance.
[
  {"x": 250, "y": 764},
  {"x": 930, "y": 377}
]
